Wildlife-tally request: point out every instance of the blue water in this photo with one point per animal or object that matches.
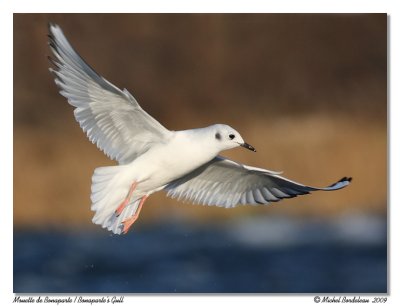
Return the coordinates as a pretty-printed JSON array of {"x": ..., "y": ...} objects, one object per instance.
[{"x": 263, "y": 255}]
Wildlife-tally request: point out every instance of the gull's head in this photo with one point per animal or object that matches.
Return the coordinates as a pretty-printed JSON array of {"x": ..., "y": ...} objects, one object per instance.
[{"x": 228, "y": 138}]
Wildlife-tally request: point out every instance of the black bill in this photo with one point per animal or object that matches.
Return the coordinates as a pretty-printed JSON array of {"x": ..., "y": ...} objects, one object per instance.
[{"x": 247, "y": 146}]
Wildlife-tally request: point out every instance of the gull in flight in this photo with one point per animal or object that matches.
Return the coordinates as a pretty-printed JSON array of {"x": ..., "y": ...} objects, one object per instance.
[{"x": 186, "y": 164}]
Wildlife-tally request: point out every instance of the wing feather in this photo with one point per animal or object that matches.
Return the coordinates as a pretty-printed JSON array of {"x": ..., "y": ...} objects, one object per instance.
[
  {"x": 225, "y": 183},
  {"x": 111, "y": 118}
]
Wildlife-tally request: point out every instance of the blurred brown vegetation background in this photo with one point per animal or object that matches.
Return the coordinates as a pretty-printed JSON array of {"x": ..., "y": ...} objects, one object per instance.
[{"x": 309, "y": 91}]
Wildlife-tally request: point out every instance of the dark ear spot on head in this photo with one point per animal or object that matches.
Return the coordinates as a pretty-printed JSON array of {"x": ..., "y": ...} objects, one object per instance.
[{"x": 218, "y": 136}]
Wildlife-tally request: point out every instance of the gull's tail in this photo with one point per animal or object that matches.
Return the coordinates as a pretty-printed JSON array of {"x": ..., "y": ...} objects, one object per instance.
[{"x": 107, "y": 194}]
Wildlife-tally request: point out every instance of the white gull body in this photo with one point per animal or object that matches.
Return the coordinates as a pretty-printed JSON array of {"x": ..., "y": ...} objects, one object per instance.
[{"x": 186, "y": 164}]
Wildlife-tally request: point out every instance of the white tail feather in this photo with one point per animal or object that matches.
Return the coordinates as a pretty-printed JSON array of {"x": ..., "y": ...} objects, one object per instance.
[{"x": 108, "y": 192}]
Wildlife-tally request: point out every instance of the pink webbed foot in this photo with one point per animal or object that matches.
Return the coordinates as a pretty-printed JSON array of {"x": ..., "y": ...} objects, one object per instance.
[
  {"x": 122, "y": 206},
  {"x": 128, "y": 222}
]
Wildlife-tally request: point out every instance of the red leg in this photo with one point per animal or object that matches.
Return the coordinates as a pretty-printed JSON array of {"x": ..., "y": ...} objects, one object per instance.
[
  {"x": 127, "y": 199},
  {"x": 128, "y": 222}
]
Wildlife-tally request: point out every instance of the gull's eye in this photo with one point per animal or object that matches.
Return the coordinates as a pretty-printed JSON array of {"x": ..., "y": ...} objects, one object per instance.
[{"x": 231, "y": 136}]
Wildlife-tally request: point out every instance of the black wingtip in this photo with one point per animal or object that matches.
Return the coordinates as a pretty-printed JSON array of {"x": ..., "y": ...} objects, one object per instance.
[
  {"x": 348, "y": 179},
  {"x": 344, "y": 179}
]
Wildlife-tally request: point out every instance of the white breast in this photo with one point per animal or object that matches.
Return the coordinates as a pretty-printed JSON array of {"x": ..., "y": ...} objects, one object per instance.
[{"x": 167, "y": 162}]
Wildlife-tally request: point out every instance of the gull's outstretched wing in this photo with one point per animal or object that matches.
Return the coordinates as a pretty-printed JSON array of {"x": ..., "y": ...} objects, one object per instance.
[
  {"x": 111, "y": 118},
  {"x": 225, "y": 183}
]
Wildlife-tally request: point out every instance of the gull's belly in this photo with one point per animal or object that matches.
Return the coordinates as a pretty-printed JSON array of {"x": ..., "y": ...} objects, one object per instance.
[{"x": 160, "y": 166}]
